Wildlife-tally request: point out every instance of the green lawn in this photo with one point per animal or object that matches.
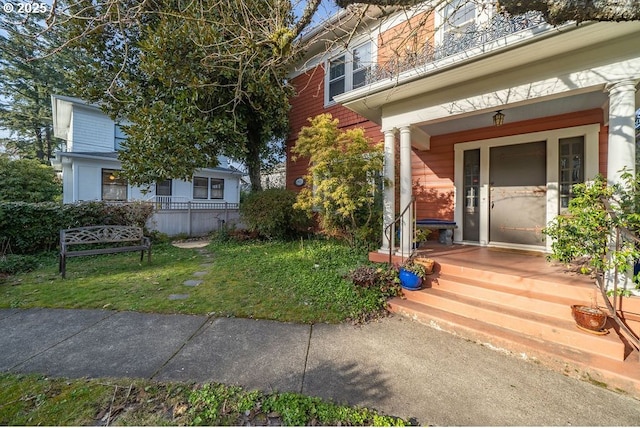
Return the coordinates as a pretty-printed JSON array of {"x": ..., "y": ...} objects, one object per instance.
[{"x": 299, "y": 281}]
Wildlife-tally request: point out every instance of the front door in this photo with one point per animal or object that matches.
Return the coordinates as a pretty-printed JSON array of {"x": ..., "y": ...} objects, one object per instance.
[{"x": 517, "y": 205}]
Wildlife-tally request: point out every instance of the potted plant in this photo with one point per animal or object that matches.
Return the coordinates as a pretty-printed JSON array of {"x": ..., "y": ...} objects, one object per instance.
[
  {"x": 582, "y": 237},
  {"x": 411, "y": 275},
  {"x": 420, "y": 235}
]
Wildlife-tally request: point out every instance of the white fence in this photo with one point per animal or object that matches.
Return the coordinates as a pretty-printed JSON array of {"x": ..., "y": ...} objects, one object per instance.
[{"x": 175, "y": 216}]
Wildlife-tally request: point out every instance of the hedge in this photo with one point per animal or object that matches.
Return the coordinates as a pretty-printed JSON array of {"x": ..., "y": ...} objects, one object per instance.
[
  {"x": 270, "y": 213},
  {"x": 30, "y": 228}
]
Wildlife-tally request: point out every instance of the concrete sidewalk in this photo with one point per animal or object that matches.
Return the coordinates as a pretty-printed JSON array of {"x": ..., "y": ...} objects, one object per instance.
[{"x": 396, "y": 366}]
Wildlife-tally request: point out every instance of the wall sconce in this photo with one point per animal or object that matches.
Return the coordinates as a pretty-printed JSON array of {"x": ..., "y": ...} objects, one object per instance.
[{"x": 498, "y": 118}]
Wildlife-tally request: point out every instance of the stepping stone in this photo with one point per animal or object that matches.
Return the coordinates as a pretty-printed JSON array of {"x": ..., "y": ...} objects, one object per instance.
[
  {"x": 192, "y": 283},
  {"x": 178, "y": 296},
  {"x": 200, "y": 273},
  {"x": 206, "y": 265}
]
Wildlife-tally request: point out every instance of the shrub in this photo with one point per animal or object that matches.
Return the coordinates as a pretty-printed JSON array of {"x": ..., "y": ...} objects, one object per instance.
[
  {"x": 378, "y": 284},
  {"x": 344, "y": 180},
  {"x": 27, "y": 180},
  {"x": 14, "y": 263},
  {"x": 33, "y": 227},
  {"x": 270, "y": 213}
]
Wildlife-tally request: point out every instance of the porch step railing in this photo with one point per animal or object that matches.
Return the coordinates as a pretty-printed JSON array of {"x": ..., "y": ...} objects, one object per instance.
[
  {"x": 621, "y": 234},
  {"x": 390, "y": 230}
]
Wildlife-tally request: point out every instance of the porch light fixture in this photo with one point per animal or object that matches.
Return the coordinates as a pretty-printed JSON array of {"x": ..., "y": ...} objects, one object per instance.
[{"x": 498, "y": 118}]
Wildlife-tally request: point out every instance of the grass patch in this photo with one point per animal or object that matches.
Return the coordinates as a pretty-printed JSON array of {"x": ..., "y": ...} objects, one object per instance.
[
  {"x": 301, "y": 281},
  {"x": 37, "y": 400}
]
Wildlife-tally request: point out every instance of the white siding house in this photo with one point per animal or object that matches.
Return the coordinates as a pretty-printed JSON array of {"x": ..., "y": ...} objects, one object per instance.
[{"x": 89, "y": 166}]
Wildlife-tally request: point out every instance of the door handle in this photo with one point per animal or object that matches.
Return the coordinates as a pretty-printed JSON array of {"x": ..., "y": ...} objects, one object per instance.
[{"x": 493, "y": 204}]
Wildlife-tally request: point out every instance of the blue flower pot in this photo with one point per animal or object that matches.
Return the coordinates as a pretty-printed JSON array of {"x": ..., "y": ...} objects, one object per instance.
[{"x": 409, "y": 280}]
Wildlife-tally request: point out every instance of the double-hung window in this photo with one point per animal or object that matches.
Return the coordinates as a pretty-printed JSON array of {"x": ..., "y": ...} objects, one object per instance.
[
  {"x": 348, "y": 71},
  {"x": 208, "y": 188},
  {"x": 337, "y": 77}
]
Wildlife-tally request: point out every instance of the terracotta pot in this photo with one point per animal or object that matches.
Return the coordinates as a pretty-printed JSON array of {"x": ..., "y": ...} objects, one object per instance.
[
  {"x": 427, "y": 263},
  {"x": 589, "y": 317}
]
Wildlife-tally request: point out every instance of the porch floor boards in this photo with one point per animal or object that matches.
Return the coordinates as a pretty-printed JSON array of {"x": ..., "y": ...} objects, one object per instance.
[{"x": 518, "y": 302}]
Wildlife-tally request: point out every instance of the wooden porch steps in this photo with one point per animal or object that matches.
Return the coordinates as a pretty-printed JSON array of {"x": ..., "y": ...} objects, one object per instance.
[{"x": 527, "y": 315}]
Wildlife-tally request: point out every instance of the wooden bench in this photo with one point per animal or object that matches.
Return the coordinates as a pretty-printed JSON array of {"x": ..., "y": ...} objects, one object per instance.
[
  {"x": 445, "y": 228},
  {"x": 106, "y": 239}
]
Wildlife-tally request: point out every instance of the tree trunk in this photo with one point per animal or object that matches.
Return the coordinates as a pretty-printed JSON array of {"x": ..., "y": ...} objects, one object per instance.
[
  {"x": 253, "y": 160},
  {"x": 39, "y": 144},
  {"x": 47, "y": 136}
]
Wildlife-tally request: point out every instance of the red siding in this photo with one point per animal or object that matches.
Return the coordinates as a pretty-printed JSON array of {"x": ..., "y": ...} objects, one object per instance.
[
  {"x": 433, "y": 170},
  {"x": 308, "y": 103}
]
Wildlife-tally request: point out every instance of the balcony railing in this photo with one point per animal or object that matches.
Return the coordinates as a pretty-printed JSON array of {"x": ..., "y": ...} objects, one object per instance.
[{"x": 473, "y": 36}]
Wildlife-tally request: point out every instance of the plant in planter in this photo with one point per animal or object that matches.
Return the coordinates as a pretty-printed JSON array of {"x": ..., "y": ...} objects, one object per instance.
[
  {"x": 420, "y": 235},
  {"x": 411, "y": 275},
  {"x": 583, "y": 236}
]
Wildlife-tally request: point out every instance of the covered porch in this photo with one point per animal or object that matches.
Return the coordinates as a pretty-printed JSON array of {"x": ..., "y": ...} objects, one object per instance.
[{"x": 567, "y": 100}]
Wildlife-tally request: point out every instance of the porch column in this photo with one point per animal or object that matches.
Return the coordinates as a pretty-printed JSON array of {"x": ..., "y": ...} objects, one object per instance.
[
  {"x": 389, "y": 197},
  {"x": 622, "y": 139},
  {"x": 621, "y": 152},
  {"x": 406, "y": 225}
]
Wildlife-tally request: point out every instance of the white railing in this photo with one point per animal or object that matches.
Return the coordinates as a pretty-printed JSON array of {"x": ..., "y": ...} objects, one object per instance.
[{"x": 183, "y": 203}]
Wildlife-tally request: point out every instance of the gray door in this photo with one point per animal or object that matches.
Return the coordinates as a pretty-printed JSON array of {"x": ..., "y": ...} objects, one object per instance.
[{"x": 517, "y": 175}]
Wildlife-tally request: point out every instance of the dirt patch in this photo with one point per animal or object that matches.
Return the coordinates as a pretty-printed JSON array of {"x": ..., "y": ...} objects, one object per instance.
[{"x": 196, "y": 243}]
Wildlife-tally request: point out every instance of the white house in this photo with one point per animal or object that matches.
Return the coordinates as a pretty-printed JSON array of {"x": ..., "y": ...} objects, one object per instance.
[{"x": 89, "y": 165}]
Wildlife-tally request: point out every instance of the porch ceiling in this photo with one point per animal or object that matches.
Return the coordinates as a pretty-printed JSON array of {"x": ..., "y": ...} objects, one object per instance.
[{"x": 514, "y": 114}]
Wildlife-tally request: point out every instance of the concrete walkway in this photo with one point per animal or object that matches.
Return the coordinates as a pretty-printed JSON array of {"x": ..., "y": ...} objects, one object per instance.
[{"x": 396, "y": 366}]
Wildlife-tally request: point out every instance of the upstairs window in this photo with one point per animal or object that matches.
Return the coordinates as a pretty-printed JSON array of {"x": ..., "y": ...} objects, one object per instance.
[
  {"x": 348, "y": 71},
  {"x": 458, "y": 27},
  {"x": 361, "y": 65},
  {"x": 458, "y": 14},
  {"x": 336, "y": 77}
]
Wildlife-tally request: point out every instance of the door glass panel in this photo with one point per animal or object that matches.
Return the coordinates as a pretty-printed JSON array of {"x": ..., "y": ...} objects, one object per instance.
[
  {"x": 471, "y": 229},
  {"x": 571, "y": 168}
]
